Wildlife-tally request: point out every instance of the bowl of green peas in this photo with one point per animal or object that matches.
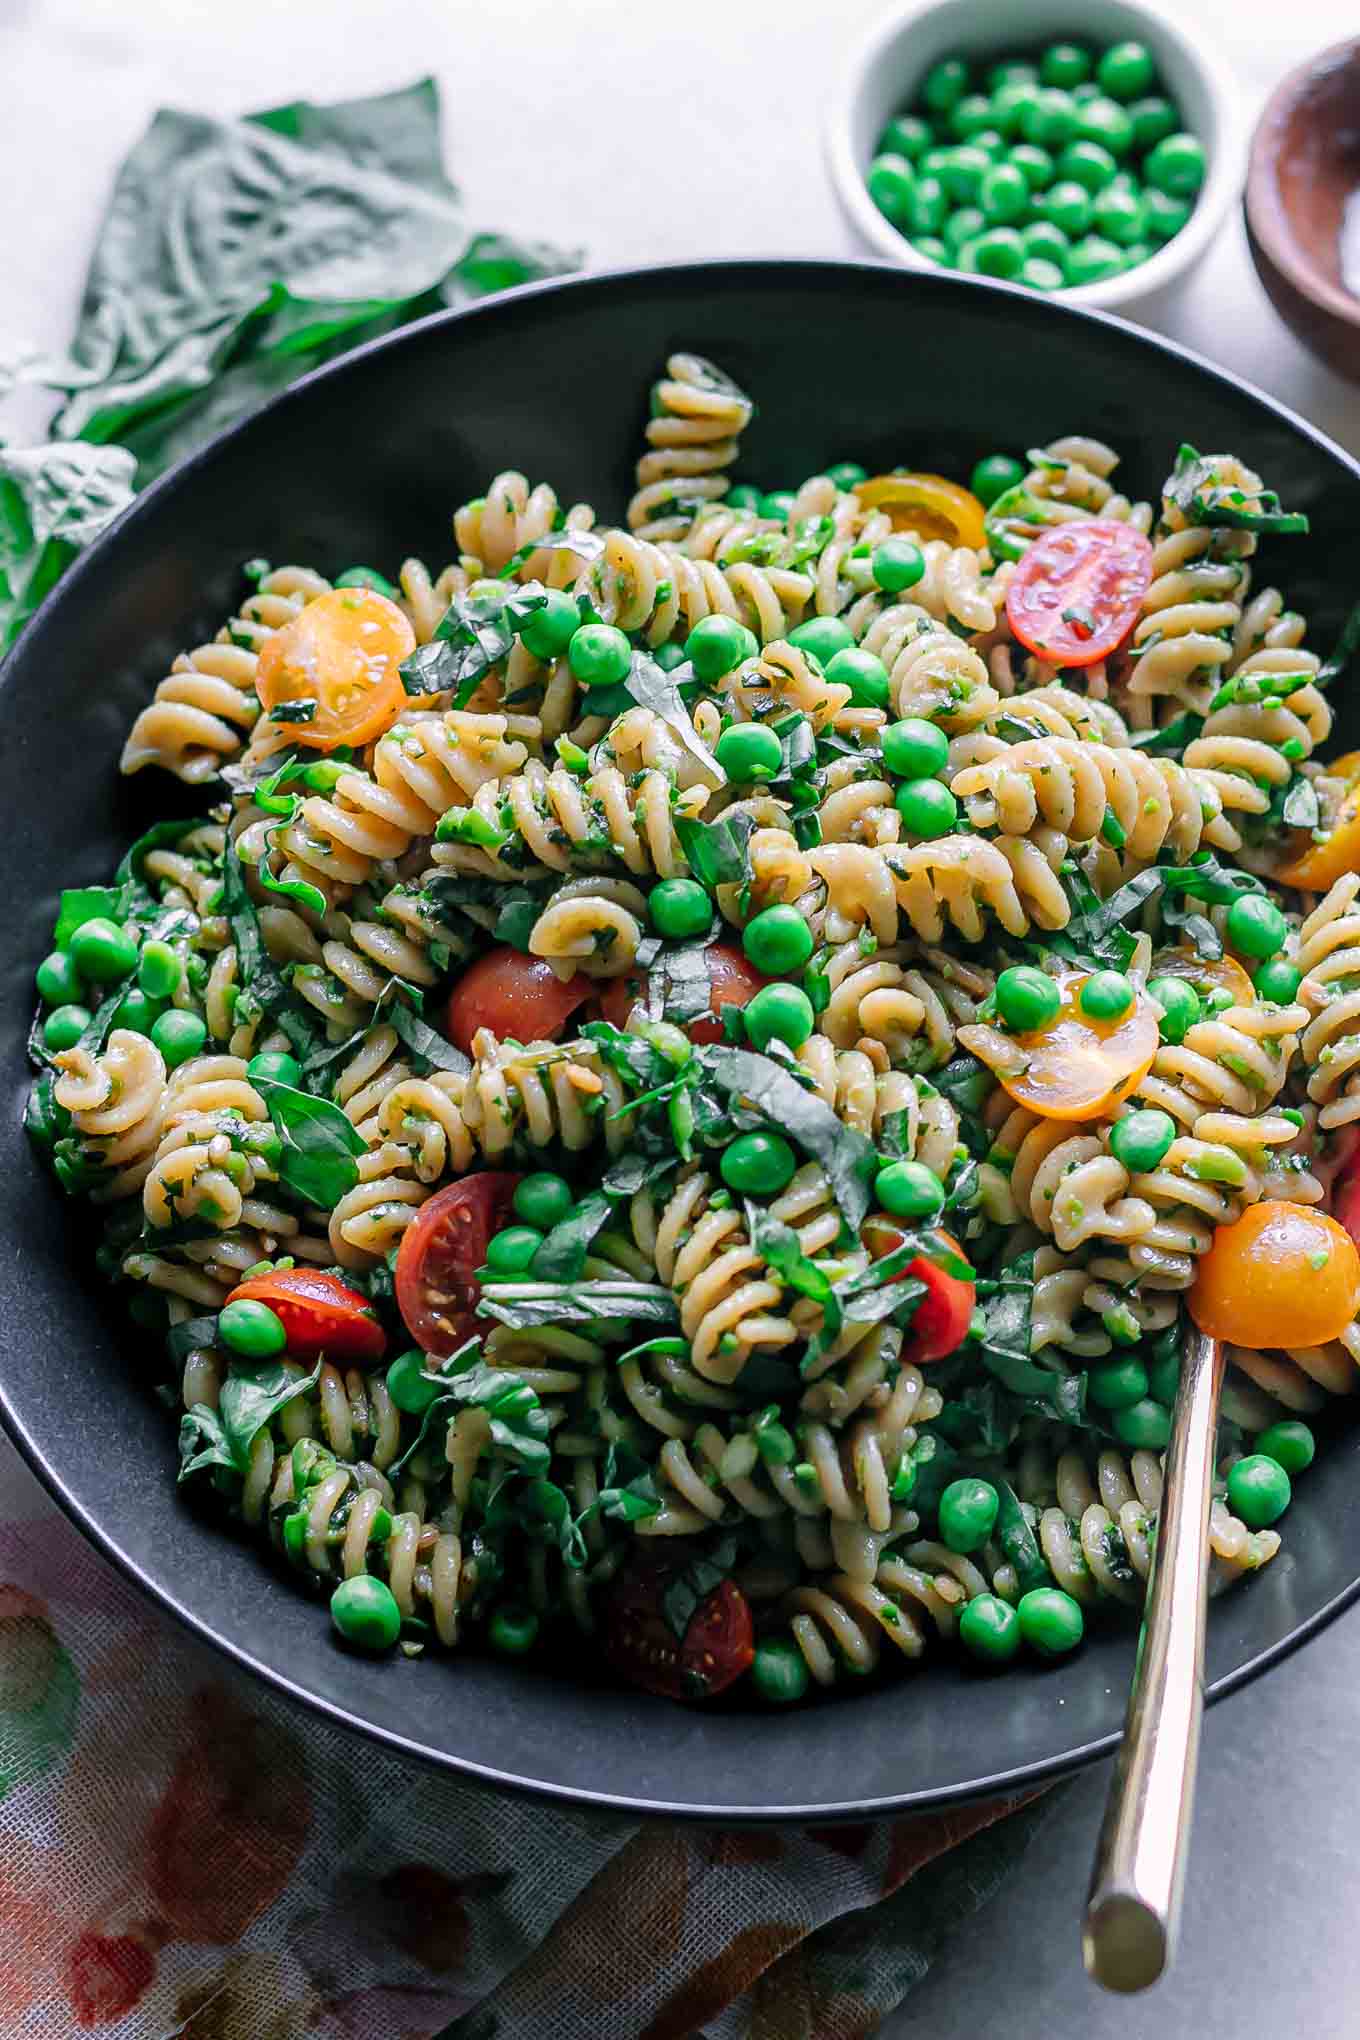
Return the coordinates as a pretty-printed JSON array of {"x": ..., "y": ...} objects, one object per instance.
[{"x": 1088, "y": 148}]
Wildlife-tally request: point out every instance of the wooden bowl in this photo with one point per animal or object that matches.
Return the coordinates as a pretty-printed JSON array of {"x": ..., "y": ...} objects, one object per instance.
[{"x": 1304, "y": 167}]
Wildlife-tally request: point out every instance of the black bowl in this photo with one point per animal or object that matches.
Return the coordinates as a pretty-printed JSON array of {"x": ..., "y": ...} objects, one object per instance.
[{"x": 365, "y": 461}]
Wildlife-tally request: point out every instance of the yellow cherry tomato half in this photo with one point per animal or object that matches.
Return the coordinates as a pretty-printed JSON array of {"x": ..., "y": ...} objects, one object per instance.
[
  {"x": 928, "y": 505},
  {"x": 1079, "y": 1067},
  {"x": 1320, "y": 865},
  {"x": 1225, "y": 975},
  {"x": 1280, "y": 1275},
  {"x": 342, "y": 652}
]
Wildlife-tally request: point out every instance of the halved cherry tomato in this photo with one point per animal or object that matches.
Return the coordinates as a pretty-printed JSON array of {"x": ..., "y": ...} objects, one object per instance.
[
  {"x": 1280, "y": 1275},
  {"x": 928, "y": 506},
  {"x": 341, "y": 652},
  {"x": 520, "y": 998},
  {"x": 732, "y": 981},
  {"x": 1077, "y": 591},
  {"x": 439, "y": 1255},
  {"x": 945, "y": 1311},
  {"x": 1320, "y": 865},
  {"x": 1080, "y": 1068},
  {"x": 320, "y": 1314},
  {"x": 717, "y": 1647},
  {"x": 1226, "y": 974}
]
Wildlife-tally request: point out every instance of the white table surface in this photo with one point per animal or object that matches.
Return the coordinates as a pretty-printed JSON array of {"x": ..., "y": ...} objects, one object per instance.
[{"x": 651, "y": 132}]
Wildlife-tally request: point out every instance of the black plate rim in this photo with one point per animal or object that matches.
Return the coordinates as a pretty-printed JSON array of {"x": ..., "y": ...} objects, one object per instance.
[{"x": 1016, "y": 1779}]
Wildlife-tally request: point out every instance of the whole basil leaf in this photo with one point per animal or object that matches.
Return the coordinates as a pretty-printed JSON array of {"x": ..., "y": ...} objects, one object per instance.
[
  {"x": 319, "y": 1143},
  {"x": 54, "y": 500},
  {"x": 251, "y": 1397}
]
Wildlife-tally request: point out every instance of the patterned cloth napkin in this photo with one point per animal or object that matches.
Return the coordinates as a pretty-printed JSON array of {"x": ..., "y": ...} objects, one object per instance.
[{"x": 182, "y": 1853}]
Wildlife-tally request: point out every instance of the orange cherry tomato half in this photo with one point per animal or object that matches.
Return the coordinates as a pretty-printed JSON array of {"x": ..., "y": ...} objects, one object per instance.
[
  {"x": 320, "y": 1315},
  {"x": 1320, "y": 865},
  {"x": 732, "y": 981},
  {"x": 520, "y": 998},
  {"x": 341, "y": 652},
  {"x": 1226, "y": 974},
  {"x": 1280, "y": 1275},
  {"x": 440, "y": 1253},
  {"x": 930, "y": 506},
  {"x": 1079, "y": 1067},
  {"x": 945, "y": 1311},
  {"x": 1077, "y": 591},
  {"x": 715, "y": 1650}
]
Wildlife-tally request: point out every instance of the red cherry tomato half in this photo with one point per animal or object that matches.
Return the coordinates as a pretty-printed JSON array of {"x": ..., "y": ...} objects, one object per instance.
[
  {"x": 945, "y": 1311},
  {"x": 520, "y": 998},
  {"x": 1077, "y": 591},
  {"x": 717, "y": 1647},
  {"x": 732, "y": 981},
  {"x": 319, "y": 1314},
  {"x": 439, "y": 1255}
]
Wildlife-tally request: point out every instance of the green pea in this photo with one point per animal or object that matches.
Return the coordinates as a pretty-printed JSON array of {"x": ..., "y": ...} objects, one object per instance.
[
  {"x": 543, "y": 1199},
  {"x": 680, "y": 907},
  {"x": 992, "y": 476},
  {"x": 1083, "y": 94},
  {"x": 823, "y": 636},
  {"x": 1136, "y": 252},
  {"x": 668, "y": 657},
  {"x": 251, "y": 1329},
  {"x": 1066, "y": 64},
  {"x": 1217, "y": 999},
  {"x": 179, "y": 1036},
  {"x": 1044, "y": 241},
  {"x": 510, "y": 1251},
  {"x": 945, "y": 84},
  {"x": 1119, "y": 216},
  {"x": 1153, "y": 120},
  {"x": 1165, "y": 215},
  {"x": 599, "y": 655},
  {"x": 1011, "y": 71},
  {"x": 407, "y": 1386},
  {"x": 780, "y": 1013},
  {"x": 970, "y": 115},
  {"x": 547, "y": 632},
  {"x": 933, "y": 162},
  {"x": 914, "y": 749},
  {"x": 58, "y": 980},
  {"x": 1035, "y": 165},
  {"x": 927, "y": 807},
  {"x": 741, "y": 496},
  {"x": 897, "y": 564},
  {"x": 102, "y": 952},
  {"x": 1125, "y": 69},
  {"x": 779, "y": 1672},
  {"x": 1117, "y": 1384},
  {"x": 137, "y": 1012},
  {"x": 1164, "y": 1374},
  {"x": 1290, "y": 1444},
  {"x": 64, "y": 1026},
  {"x": 747, "y": 752},
  {"x": 1106, "y": 995},
  {"x": 1067, "y": 204},
  {"x": 963, "y": 225},
  {"x": 1258, "y": 1490},
  {"x": 1105, "y": 122},
  {"x": 1093, "y": 260},
  {"x": 905, "y": 135},
  {"x": 864, "y": 673},
  {"x": 365, "y": 1613},
  {"x": 1051, "y": 120},
  {"x": 934, "y": 250},
  {"x": 368, "y": 577},
  {"x": 962, "y": 175},
  {"x": 775, "y": 1444},
  {"x": 274, "y": 1066},
  {"x": 1026, "y": 998},
  {"x": 968, "y": 1511},
  {"x": 513, "y": 1629},
  {"x": 159, "y": 970},
  {"x": 847, "y": 475},
  {"x": 1144, "y": 1426},
  {"x": 891, "y": 182},
  {"x": 1176, "y": 166},
  {"x": 989, "y": 1629},
  {"x": 777, "y": 941},
  {"x": 1009, "y": 104},
  {"x": 1004, "y": 194},
  {"x": 909, "y": 1190},
  {"x": 1142, "y": 1140},
  {"x": 1087, "y": 164},
  {"x": 717, "y": 645},
  {"x": 1179, "y": 1005},
  {"x": 1000, "y": 252},
  {"x": 1256, "y": 927},
  {"x": 1051, "y": 1621},
  {"x": 758, "y": 1164},
  {"x": 1038, "y": 273},
  {"x": 929, "y": 206}
]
